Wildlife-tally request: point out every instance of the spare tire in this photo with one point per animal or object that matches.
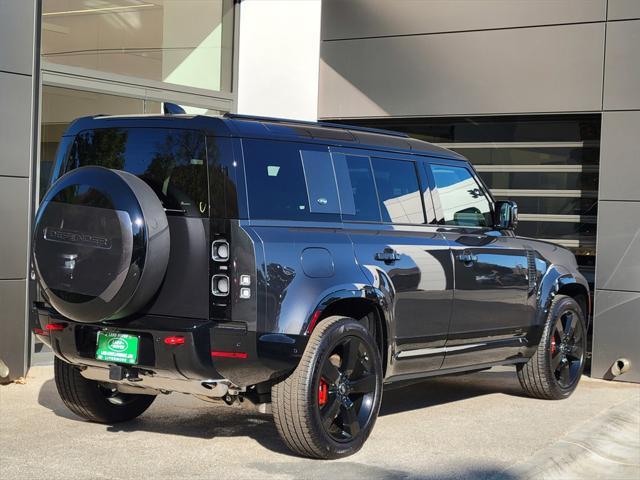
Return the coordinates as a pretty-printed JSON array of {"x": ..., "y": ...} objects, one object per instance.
[{"x": 101, "y": 244}]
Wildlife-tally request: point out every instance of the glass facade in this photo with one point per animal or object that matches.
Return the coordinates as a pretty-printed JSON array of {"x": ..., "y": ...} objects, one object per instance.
[
  {"x": 60, "y": 106},
  {"x": 178, "y": 42},
  {"x": 547, "y": 164},
  {"x": 124, "y": 57}
]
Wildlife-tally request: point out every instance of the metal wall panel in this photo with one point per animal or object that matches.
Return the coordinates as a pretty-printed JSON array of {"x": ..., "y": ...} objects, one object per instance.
[
  {"x": 619, "y": 156},
  {"x": 623, "y": 9},
  {"x": 374, "y": 18},
  {"x": 14, "y": 212},
  {"x": 13, "y": 294},
  {"x": 622, "y": 66},
  {"x": 616, "y": 332},
  {"x": 16, "y": 36},
  {"x": 618, "y": 264},
  {"x": 546, "y": 69},
  {"x": 15, "y": 122}
]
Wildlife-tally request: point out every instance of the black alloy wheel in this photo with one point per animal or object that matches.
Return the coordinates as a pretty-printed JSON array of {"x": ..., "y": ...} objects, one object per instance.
[
  {"x": 553, "y": 371},
  {"x": 346, "y": 389},
  {"x": 567, "y": 349},
  {"x": 328, "y": 406}
]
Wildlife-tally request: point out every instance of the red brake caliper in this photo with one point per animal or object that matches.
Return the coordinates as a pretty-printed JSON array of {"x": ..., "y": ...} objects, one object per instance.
[
  {"x": 553, "y": 345},
  {"x": 323, "y": 389}
]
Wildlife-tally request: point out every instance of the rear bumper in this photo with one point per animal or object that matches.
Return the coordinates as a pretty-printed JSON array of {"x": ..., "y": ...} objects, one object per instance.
[{"x": 212, "y": 351}]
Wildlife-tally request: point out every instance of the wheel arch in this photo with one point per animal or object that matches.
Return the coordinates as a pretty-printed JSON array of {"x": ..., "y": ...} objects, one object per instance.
[
  {"x": 559, "y": 280},
  {"x": 367, "y": 303}
]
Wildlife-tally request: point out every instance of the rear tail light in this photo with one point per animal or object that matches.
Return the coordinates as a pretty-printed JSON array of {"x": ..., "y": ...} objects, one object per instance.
[
  {"x": 220, "y": 250},
  {"x": 174, "y": 340},
  {"x": 220, "y": 354},
  {"x": 313, "y": 321},
  {"x": 39, "y": 331},
  {"x": 220, "y": 285},
  {"x": 56, "y": 326}
]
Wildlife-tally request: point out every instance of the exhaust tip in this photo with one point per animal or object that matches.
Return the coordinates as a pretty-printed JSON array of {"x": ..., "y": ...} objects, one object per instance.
[
  {"x": 620, "y": 366},
  {"x": 4, "y": 370}
]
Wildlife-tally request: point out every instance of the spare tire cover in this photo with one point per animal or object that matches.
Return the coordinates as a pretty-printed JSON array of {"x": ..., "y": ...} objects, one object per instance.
[{"x": 101, "y": 244}]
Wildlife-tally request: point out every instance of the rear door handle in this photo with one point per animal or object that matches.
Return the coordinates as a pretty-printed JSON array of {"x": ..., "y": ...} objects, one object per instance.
[
  {"x": 467, "y": 257},
  {"x": 388, "y": 256}
]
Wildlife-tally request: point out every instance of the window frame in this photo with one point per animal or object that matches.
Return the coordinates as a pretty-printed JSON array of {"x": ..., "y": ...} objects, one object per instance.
[
  {"x": 417, "y": 177},
  {"x": 428, "y": 162},
  {"x": 423, "y": 183}
]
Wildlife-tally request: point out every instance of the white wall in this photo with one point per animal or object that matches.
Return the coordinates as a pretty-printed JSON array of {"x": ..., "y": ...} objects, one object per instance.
[{"x": 279, "y": 51}]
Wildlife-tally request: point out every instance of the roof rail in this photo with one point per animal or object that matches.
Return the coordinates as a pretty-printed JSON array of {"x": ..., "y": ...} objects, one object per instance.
[{"x": 319, "y": 123}]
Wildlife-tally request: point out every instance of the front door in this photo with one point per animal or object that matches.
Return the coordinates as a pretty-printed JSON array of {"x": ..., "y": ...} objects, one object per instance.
[
  {"x": 399, "y": 253},
  {"x": 491, "y": 316}
]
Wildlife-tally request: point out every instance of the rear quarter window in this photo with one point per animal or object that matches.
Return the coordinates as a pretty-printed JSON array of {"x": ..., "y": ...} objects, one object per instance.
[
  {"x": 173, "y": 162},
  {"x": 290, "y": 181}
]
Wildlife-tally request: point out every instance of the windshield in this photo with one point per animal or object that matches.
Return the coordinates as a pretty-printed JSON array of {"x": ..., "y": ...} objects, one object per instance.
[{"x": 171, "y": 161}]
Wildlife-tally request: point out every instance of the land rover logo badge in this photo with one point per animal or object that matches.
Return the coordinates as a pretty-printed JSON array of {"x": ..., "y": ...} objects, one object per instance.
[{"x": 118, "y": 344}]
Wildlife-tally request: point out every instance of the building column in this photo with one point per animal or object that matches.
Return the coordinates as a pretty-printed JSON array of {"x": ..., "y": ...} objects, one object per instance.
[
  {"x": 19, "y": 24},
  {"x": 616, "y": 328},
  {"x": 278, "y": 59}
]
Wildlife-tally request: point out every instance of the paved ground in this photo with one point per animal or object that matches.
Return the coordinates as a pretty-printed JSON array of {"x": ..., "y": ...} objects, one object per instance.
[{"x": 474, "y": 426}]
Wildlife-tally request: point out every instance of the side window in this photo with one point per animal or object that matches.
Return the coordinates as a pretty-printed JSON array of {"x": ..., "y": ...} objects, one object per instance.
[
  {"x": 282, "y": 177},
  {"x": 320, "y": 180},
  {"x": 463, "y": 201},
  {"x": 357, "y": 188},
  {"x": 398, "y": 191},
  {"x": 223, "y": 179}
]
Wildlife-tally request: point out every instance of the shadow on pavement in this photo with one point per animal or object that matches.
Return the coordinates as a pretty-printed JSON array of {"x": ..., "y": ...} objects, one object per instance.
[
  {"x": 447, "y": 389},
  {"x": 189, "y": 417},
  {"x": 184, "y": 416},
  {"x": 347, "y": 470}
]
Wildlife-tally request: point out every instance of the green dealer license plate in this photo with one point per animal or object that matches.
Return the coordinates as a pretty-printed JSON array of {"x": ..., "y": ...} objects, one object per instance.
[{"x": 117, "y": 347}]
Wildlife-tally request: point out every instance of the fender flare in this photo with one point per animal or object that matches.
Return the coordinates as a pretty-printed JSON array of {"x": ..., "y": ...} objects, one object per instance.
[
  {"x": 556, "y": 277},
  {"x": 381, "y": 299}
]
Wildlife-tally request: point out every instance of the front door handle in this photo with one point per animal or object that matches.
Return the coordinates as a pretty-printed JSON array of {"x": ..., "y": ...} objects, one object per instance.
[
  {"x": 467, "y": 257},
  {"x": 388, "y": 256}
]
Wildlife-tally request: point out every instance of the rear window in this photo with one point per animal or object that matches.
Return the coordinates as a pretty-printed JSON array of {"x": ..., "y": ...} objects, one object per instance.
[{"x": 171, "y": 161}]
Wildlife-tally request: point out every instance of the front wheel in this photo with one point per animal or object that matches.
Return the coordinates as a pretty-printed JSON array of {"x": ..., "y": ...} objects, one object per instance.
[
  {"x": 327, "y": 407},
  {"x": 95, "y": 401},
  {"x": 553, "y": 372}
]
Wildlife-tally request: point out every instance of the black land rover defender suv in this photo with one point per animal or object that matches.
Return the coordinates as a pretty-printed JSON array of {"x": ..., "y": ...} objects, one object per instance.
[{"x": 291, "y": 267}]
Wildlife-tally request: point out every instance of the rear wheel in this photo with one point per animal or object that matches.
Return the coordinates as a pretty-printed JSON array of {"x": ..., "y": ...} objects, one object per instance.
[
  {"x": 554, "y": 370},
  {"x": 95, "y": 401},
  {"x": 329, "y": 404}
]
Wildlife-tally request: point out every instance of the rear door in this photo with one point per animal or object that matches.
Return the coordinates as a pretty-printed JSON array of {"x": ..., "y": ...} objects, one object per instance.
[
  {"x": 173, "y": 162},
  {"x": 491, "y": 315},
  {"x": 399, "y": 251}
]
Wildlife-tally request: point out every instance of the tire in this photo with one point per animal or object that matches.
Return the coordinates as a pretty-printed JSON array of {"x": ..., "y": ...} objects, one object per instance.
[
  {"x": 554, "y": 370},
  {"x": 90, "y": 400},
  {"x": 101, "y": 244},
  {"x": 342, "y": 359}
]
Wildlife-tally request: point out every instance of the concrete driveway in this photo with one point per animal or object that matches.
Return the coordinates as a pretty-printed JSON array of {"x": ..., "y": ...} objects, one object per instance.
[{"x": 473, "y": 426}]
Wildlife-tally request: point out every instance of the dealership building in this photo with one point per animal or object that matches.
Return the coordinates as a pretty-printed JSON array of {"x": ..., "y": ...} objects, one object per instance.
[{"x": 542, "y": 96}]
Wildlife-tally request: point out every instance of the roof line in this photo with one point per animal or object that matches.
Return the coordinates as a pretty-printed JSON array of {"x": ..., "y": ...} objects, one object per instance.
[{"x": 318, "y": 123}]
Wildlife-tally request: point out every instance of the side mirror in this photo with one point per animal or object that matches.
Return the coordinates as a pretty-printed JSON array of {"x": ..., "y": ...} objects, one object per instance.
[{"x": 506, "y": 215}]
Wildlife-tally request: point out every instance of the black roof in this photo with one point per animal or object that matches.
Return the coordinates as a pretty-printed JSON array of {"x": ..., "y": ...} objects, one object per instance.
[{"x": 247, "y": 126}]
